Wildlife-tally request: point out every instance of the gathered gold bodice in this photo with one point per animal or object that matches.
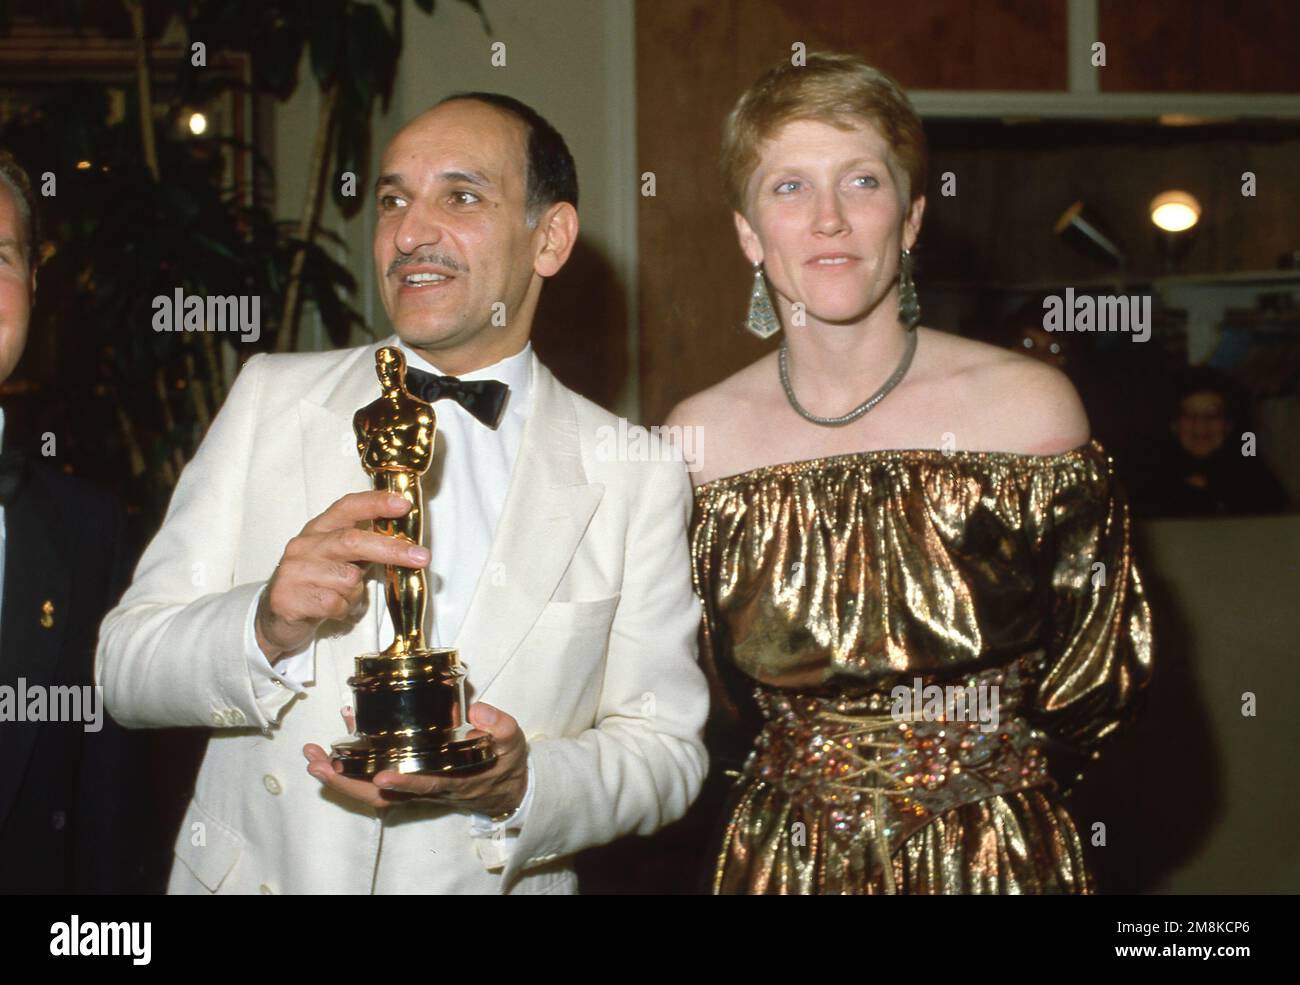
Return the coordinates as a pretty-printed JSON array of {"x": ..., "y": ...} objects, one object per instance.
[{"x": 828, "y": 583}]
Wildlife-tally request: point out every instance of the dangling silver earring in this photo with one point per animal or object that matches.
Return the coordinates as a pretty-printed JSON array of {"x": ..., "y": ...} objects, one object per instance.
[
  {"x": 761, "y": 320},
  {"x": 909, "y": 305}
]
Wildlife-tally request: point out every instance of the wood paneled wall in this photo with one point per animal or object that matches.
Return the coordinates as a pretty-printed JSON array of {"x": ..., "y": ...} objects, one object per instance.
[
  {"x": 1206, "y": 46},
  {"x": 1013, "y": 182}
]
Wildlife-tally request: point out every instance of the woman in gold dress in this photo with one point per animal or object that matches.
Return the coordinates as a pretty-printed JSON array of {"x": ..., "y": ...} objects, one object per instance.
[{"x": 924, "y": 605}]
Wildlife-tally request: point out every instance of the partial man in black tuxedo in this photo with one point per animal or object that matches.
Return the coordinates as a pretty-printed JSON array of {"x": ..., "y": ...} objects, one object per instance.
[{"x": 75, "y": 815}]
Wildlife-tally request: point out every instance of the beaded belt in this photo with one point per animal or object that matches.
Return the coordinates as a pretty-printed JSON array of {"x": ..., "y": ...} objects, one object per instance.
[{"x": 885, "y": 775}]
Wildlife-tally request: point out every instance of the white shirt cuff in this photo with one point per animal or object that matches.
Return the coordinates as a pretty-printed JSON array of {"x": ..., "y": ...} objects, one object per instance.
[
  {"x": 495, "y": 840},
  {"x": 289, "y": 673}
]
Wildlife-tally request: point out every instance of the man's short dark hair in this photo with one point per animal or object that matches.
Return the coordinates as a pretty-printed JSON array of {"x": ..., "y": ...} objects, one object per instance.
[
  {"x": 551, "y": 175},
  {"x": 14, "y": 178}
]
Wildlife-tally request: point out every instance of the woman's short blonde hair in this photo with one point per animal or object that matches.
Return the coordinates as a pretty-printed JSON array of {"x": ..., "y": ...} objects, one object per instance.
[{"x": 837, "y": 89}]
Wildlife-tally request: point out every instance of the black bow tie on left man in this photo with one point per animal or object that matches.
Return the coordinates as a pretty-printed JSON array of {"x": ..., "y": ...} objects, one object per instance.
[{"x": 485, "y": 399}]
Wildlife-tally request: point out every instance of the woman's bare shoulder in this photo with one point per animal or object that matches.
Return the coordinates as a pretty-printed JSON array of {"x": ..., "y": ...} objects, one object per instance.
[
  {"x": 729, "y": 399},
  {"x": 724, "y": 415},
  {"x": 1008, "y": 401},
  {"x": 945, "y": 355},
  {"x": 1034, "y": 407}
]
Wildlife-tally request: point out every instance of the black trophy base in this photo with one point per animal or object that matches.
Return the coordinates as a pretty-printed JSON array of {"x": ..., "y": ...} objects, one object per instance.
[{"x": 409, "y": 717}]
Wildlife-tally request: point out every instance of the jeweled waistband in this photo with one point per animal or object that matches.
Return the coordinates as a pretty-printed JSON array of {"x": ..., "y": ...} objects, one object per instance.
[{"x": 880, "y": 770}]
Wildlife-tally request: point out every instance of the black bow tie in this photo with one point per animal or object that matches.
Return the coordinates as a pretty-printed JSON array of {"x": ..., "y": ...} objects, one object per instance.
[
  {"x": 12, "y": 466},
  {"x": 485, "y": 399}
]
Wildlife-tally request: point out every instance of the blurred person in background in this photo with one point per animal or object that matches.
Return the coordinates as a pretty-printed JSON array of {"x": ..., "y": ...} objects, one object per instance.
[
  {"x": 1206, "y": 466},
  {"x": 75, "y": 805},
  {"x": 1024, "y": 332}
]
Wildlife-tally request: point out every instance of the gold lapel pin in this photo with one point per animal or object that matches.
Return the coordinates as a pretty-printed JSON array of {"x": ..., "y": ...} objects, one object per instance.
[{"x": 47, "y": 613}]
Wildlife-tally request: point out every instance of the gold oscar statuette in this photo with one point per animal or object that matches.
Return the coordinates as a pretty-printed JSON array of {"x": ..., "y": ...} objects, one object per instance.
[{"x": 409, "y": 701}]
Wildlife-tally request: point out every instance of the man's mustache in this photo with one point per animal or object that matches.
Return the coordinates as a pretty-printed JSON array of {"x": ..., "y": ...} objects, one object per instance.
[{"x": 434, "y": 259}]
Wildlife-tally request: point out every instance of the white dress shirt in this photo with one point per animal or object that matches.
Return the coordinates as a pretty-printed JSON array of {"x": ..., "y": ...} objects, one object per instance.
[{"x": 465, "y": 491}]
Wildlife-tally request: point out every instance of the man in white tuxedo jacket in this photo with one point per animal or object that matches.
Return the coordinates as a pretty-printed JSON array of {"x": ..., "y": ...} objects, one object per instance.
[{"x": 559, "y": 571}]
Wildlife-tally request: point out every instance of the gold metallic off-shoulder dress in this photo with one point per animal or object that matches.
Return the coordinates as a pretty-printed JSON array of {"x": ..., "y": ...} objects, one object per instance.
[{"x": 849, "y": 604}]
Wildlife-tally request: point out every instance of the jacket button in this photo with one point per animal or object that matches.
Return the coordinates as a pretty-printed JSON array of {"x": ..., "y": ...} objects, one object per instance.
[
  {"x": 218, "y": 718},
  {"x": 271, "y": 783},
  {"x": 236, "y": 716},
  {"x": 265, "y": 890},
  {"x": 58, "y": 820}
]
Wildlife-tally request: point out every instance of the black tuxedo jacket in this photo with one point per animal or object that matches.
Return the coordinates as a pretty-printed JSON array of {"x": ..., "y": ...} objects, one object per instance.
[{"x": 76, "y": 807}]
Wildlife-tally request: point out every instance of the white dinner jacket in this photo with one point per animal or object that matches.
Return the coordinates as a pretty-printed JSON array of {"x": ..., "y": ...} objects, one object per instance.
[{"x": 582, "y": 627}]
